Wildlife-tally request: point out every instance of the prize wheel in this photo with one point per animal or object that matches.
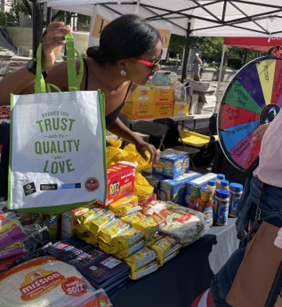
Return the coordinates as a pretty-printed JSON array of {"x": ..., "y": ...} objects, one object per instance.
[{"x": 252, "y": 98}]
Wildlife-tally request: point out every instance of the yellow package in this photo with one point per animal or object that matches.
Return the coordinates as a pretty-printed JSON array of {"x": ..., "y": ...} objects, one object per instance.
[
  {"x": 107, "y": 248},
  {"x": 142, "y": 186},
  {"x": 165, "y": 247},
  {"x": 112, "y": 229},
  {"x": 127, "y": 239},
  {"x": 126, "y": 207},
  {"x": 153, "y": 239},
  {"x": 100, "y": 221},
  {"x": 150, "y": 225},
  {"x": 140, "y": 258},
  {"x": 148, "y": 269},
  {"x": 88, "y": 237},
  {"x": 90, "y": 215},
  {"x": 126, "y": 253},
  {"x": 133, "y": 218}
]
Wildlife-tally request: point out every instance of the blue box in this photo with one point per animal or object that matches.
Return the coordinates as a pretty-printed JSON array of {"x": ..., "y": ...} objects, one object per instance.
[
  {"x": 174, "y": 189},
  {"x": 147, "y": 172},
  {"x": 172, "y": 164},
  {"x": 201, "y": 181},
  {"x": 154, "y": 181}
]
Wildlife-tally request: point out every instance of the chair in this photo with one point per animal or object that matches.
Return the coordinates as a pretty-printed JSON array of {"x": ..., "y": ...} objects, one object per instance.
[{"x": 152, "y": 129}]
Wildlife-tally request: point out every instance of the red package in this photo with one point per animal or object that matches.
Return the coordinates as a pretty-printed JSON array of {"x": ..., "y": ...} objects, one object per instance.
[{"x": 121, "y": 178}]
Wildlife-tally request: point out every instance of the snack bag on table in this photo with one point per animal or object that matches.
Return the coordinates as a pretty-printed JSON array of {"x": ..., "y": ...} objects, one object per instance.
[{"x": 183, "y": 224}]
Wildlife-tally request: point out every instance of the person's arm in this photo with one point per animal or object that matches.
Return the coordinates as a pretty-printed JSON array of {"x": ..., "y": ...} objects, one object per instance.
[
  {"x": 259, "y": 133},
  {"x": 18, "y": 82},
  {"x": 125, "y": 133}
]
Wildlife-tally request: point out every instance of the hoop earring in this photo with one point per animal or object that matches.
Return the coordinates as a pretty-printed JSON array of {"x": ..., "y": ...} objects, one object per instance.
[{"x": 123, "y": 72}]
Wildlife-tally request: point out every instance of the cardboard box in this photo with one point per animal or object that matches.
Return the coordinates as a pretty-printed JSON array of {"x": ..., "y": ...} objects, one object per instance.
[
  {"x": 143, "y": 93},
  {"x": 164, "y": 93},
  {"x": 172, "y": 164},
  {"x": 139, "y": 110},
  {"x": 201, "y": 181},
  {"x": 163, "y": 109},
  {"x": 154, "y": 181},
  {"x": 181, "y": 108},
  {"x": 121, "y": 177},
  {"x": 174, "y": 190}
]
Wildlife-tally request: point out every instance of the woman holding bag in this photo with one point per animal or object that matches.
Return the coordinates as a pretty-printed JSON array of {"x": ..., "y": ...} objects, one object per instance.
[{"x": 128, "y": 55}]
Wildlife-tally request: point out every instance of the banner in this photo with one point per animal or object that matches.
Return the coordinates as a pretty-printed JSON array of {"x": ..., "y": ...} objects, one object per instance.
[{"x": 103, "y": 16}]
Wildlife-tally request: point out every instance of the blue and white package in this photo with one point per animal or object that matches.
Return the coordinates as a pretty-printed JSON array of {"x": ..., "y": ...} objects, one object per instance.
[
  {"x": 201, "y": 181},
  {"x": 154, "y": 181},
  {"x": 147, "y": 172},
  {"x": 173, "y": 189},
  {"x": 172, "y": 164}
]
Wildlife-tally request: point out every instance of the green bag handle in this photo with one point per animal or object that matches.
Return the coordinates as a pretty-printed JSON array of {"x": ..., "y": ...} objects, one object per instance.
[{"x": 73, "y": 80}]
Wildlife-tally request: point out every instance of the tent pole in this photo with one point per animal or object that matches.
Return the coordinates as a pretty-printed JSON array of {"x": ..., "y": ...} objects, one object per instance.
[
  {"x": 184, "y": 67},
  {"x": 34, "y": 27},
  {"x": 219, "y": 78},
  {"x": 49, "y": 17}
]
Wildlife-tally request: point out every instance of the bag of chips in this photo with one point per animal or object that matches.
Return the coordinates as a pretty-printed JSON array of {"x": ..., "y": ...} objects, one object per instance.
[
  {"x": 112, "y": 229},
  {"x": 126, "y": 253},
  {"x": 165, "y": 247},
  {"x": 127, "y": 239},
  {"x": 148, "y": 269},
  {"x": 140, "y": 259},
  {"x": 100, "y": 221}
]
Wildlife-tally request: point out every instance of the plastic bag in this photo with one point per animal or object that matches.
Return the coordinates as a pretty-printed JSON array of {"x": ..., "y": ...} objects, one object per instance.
[
  {"x": 48, "y": 282},
  {"x": 183, "y": 224}
]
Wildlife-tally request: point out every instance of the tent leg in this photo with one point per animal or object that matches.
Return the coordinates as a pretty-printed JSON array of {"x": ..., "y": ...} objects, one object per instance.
[
  {"x": 184, "y": 67},
  {"x": 34, "y": 29},
  {"x": 219, "y": 78},
  {"x": 49, "y": 17}
]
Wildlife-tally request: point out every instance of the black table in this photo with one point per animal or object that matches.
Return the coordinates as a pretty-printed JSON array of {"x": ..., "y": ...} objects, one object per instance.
[{"x": 183, "y": 278}]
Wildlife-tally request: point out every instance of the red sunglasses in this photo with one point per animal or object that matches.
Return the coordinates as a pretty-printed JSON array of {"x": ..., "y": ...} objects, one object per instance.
[{"x": 151, "y": 64}]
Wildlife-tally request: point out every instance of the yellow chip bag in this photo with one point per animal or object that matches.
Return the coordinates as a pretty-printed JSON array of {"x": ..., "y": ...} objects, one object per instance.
[
  {"x": 140, "y": 258},
  {"x": 125, "y": 253},
  {"x": 90, "y": 215},
  {"x": 165, "y": 246},
  {"x": 100, "y": 221},
  {"x": 150, "y": 225},
  {"x": 127, "y": 239},
  {"x": 112, "y": 229},
  {"x": 133, "y": 218},
  {"x": 126, "y": 208},
  {"x": 148, "y": 269},
  {"x": 107, "y": 248},
  {"x": 153, "y": 239},
  {"x": 87, "y": 237}
]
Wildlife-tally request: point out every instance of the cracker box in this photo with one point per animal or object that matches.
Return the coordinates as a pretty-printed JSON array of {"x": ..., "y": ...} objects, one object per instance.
[
  {"x": 201, "y": 181},
  {"x": 174, "y": 189},
  {"x": 164, "y": 93},
  {"x": 143, "y": 93},
  {"x": 163, "y": 109},
  {"x": 172, "y": 164},
  {"x": 181, "y": 108},
  {"x": 154, "y": 181},
  {"x": 121, "y": 178},
  {"x": 139, "y": 109}
]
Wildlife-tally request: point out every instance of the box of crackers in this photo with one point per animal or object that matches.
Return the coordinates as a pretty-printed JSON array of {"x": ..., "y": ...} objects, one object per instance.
[
  {"x": 121, "y": 178},
  {"x": 172, "y": 163}
]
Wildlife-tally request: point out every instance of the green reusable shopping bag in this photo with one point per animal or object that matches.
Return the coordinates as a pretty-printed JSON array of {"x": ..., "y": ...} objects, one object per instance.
[{"x": 57, "y": 145}]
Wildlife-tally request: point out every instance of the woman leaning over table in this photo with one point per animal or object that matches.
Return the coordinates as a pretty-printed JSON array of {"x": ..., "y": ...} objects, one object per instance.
[{"x": 128, "y": 55}]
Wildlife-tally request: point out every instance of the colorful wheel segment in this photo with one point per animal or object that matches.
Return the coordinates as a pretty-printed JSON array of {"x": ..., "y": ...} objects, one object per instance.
[{"x": 252, "y": 98}]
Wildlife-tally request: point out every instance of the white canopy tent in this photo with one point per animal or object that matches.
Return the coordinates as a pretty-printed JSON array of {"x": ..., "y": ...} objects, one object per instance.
[{"x": 193, "y": 17}]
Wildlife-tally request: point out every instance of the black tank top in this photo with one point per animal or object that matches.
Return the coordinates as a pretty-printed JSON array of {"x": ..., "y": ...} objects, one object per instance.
[{"x": 112, "y": 116}]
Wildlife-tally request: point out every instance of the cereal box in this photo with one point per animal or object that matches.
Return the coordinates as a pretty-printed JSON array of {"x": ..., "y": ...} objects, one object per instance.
[
  {"x": 174, "y": 189},
  {"x": 164, "y": 93},
  {"x": 139, "y": 109},
  {"x": 143, "y": 93},
  {"x": 172, "y": 164},
  {"x": 154, "y": 181},
  {"x": 120, "y": 182},
  {"x": 201, "y": 181}
]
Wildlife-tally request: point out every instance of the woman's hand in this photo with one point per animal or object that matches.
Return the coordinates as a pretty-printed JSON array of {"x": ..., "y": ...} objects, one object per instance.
[
  {"x": 52, "y": 43},
  {"x": 259, "y": 133},
  {"x": 142, "y": 147}
]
